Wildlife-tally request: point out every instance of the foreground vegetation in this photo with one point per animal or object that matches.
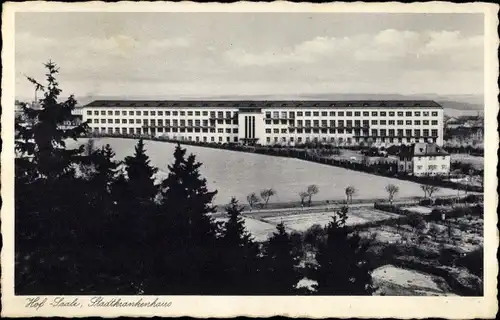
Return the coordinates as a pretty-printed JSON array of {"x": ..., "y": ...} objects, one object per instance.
[{"x": 88, "y": 224}]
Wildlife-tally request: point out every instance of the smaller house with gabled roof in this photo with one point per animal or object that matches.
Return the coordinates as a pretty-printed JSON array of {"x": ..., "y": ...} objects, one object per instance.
[{"x": 424, "y": 159}]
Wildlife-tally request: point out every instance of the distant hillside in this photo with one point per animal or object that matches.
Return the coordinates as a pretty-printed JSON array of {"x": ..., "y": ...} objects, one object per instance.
[
  {"x": 458, "y": 102},
  {"x": 460, "y": 105}
]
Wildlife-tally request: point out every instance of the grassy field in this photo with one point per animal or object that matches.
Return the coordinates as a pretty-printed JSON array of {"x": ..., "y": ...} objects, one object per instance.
[{"x": 236, "y": 174}]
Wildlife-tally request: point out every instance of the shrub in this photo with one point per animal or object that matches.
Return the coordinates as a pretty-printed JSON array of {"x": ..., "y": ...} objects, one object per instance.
[
  {"x": 416, "y": 221},
  {"x": 436, "y": 215},
  {"x": 443, "y": 202},
  {"x": 425, "y": 202},
  {"x": 473, "y": 261},
  {"x": 314, "y": 234},
  {"x": 448, "y": 256}
]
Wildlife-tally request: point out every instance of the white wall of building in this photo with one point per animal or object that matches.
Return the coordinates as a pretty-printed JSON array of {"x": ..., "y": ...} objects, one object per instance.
[
  {"x": 431, "y": 165},
  {"x": 287, "y": 126}
]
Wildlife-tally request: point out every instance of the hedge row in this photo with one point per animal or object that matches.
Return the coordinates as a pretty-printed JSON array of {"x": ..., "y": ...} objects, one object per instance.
[
  {"x": 471, "y": 198},
  {"x": 436, "y": 214},
  {"x": 398, "y": 209}
]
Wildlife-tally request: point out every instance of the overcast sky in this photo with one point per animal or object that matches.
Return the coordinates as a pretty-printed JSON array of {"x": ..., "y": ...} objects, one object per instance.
[{"x": 150, "y": 54}]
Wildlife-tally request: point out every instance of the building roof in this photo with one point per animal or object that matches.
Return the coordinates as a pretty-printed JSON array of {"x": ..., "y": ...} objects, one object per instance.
[
  {"x": 265, "y": 103},
  {"x": 428, "y": 149}
]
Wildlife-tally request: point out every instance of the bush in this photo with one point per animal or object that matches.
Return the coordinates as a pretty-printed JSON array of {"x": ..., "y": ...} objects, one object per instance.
[
  {"x": 473, "y": 261},
  {"x": 443, "y": 202},
  {"x": 448, "y": 256},
  {"x": 390, "y": 208},
  {"x": 436, "y": 215},
  {"x": 314, "y": 234},
  {"x": 416, "y": 221},
  {"x": 425, "y": 202},
  {"x": 473, "y": 198},
  {"x": 425, "y": 254}
]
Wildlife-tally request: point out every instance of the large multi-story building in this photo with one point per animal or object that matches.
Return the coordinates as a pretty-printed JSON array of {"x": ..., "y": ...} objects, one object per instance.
[{"x": 377, "y": 123}]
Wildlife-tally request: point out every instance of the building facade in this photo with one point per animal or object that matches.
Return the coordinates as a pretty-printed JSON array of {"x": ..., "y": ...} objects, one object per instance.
[
  {"x": 342, "y": 123},
  {"x": 424, "y": 159}
]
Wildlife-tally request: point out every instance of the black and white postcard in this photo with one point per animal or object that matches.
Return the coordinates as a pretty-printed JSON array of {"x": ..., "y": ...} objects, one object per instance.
[{"x": 249, "y": 159}]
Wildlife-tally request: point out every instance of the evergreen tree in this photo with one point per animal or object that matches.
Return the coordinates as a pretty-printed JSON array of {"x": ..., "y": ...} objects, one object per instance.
[
  {"x": 281, "y": 258},
  {"x": 140, "y": 174},
  {"x": 40, "y": 138},
  {"x": 52, "y": 208},
  {"x": 132, "y": 226},
  {"x": 106, "y": 168},
  {"x": 185, "y": 198},
  {"x": 240, "y": 259},
  {"x": 187, "y": 235},
  {"x": 342, "y": 265}
]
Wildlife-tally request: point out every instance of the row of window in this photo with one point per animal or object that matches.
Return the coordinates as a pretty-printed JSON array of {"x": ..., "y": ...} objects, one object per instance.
[
  {"x": 145, "y": 131},
  {"x": 364, "y": 132},
  {"x": 349, "y": 123},
  {"x": 300, "y": 123},
  {"x": 339, "y": 140},
  {"x": 149, "y": 130},
  {"x": 291, "y": 114},
  {"x": 161, "y": 122},
  {"x": 269, "y": 114},
  {"x": 213, "y": 114},
  {"x": 433, "y": 167},
  {"x": 433, "y": 157}
]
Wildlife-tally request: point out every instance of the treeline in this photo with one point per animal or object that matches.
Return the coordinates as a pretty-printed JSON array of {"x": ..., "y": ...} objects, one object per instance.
[
  {"x": 88, "y": 224},
  {"x": 474, "y": 151}
]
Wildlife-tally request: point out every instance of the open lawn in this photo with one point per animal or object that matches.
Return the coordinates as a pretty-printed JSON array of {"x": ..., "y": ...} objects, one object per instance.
[{"x": 236, "y": 174}]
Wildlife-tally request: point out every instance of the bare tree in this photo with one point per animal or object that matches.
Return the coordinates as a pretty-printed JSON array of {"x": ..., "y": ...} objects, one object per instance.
[
  {"x": 429, "y": 190},
  {"x": 311, "y": 190},
  {"x": 392, "y": 190},
  {"x": 253, "y": 200},
  {"x": 349, "y": 192},
  {"x": 303, "y": 196},
  {"x": 424, "y": 189},
  {"x": 266, "y": 194}
]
